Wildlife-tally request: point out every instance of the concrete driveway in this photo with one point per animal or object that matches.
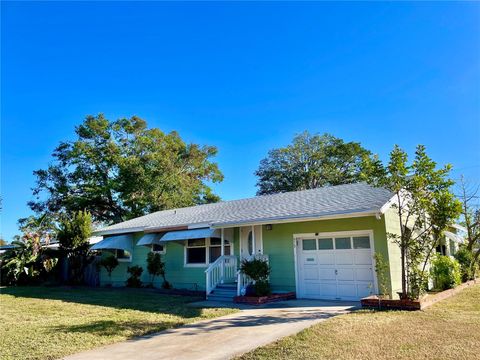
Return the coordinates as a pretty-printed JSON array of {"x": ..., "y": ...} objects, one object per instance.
[{"x": 224, "y": 337}]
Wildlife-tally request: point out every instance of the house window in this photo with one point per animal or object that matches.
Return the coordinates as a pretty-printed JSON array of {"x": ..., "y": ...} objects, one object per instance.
[
  {"x": 215, "y": 249},
  {"x": 158, "y": 248},
  {"x": 123, "y": 255},
  {"x": 196, "y": 251},
  {"x": 204, "y": 251}
]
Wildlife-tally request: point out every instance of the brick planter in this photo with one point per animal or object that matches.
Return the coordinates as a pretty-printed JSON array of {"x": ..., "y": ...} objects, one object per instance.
[
  {"x": 374, "y": 302},
  {"x": 259, "y": 300}
]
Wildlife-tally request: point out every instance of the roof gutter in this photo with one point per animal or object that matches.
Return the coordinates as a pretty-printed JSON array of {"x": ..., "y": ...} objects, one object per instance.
[{"x": 118, "y": 231}]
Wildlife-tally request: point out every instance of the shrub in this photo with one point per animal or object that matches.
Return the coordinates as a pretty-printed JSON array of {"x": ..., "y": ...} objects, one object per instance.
[
  {"x": 445, "y": 272},
  {"x": 258, "y": 270},
  {"x": 465, "y": 258},
  {"x": 262, "y": 288},
  {"x": 381, "y": 268},
  {"x": 156, "y": 267},
  {"x": 109, "y": 262},
  {"x": 134, "y": 279}
]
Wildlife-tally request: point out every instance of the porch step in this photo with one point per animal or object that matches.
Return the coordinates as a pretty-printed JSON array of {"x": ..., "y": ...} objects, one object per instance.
[
  {"x": 223, "y": 292},
  {"x": 229, "y": 286},
  {"x": 215, "y": 297}
]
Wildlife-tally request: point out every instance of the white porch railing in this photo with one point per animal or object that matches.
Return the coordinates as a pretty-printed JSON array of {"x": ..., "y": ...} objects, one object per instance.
[
  {"x": 242, "y": 279},
  {"x": 221, "y": 270}
]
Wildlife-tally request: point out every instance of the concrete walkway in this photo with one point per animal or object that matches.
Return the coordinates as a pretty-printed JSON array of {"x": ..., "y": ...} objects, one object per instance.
[{"x": 224, "y": 337}]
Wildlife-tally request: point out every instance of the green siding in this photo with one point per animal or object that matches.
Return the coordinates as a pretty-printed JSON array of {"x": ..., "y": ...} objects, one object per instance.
[
  {"x": 392, "y": 225},
  {"x": 278, "y": 244},
  {"x": 181, "y": 276}
]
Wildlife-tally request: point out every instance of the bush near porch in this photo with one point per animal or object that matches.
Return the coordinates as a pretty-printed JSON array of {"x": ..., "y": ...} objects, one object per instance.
[{"x": 51, "y": 322}]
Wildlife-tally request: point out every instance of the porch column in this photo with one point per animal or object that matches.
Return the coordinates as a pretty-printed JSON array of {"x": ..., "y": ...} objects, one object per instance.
[
  {"x": 223, "y": 242},
  {"x": 222, "y": 253},
  {"x": 254, "y": 241}
]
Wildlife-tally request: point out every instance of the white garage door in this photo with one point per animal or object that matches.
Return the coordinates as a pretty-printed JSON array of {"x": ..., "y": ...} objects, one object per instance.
[{"x": 335, "y": 267}]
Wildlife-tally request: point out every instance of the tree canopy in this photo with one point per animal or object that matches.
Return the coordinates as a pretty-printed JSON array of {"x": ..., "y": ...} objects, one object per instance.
[
  {"x": 117, "y": 170},
  {"x": 311, "y": 161},
  {"x": 424, "y": 205}
]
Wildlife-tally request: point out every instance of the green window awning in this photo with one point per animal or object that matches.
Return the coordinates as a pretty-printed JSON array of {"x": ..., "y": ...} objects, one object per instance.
[
  {"x": 123, "y": 242},
  {"x": 190, "y": 234},
  {"x": 150, "y": 239}
]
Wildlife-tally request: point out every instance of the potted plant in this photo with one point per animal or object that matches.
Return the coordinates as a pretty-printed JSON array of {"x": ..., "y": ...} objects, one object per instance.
[{"x": 258, "y": 270}]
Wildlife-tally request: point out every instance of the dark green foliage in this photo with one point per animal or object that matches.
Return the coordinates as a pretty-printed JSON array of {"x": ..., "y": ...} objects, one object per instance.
[
  {"x": 73, "y": 234},
  {"x": 27, "y": 262},
  {"x": 311, "y": 161},
  {"x": 119, "y": 170},
  {"x": 258, "y": 270},
  {"x": 262, "y": 288},
  {"x": 424, "y": 206},
  {"x": 445, "y": 272},
  {"x": 156, "y": 267},
  {"x": 465, "y": 258},
  {"x": 109, "y": 262},
  {"x": 134, "y": 279},
  {"x": 381, "y": 268}
]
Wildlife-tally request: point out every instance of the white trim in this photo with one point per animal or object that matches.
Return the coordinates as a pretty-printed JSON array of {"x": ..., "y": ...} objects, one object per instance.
[
  {"x": 207, "y": 247},
  {"x": 119, "y": 231},
  {"x": 197, "y": 225},
  {"x": 388, "y": 204},
  {"x": 297, "y": 280}
]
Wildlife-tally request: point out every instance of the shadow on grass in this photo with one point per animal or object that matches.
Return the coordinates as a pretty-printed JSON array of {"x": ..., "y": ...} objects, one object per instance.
[
  {"x": 111, "y": 328},
  {"x": 120, "y": 298}
]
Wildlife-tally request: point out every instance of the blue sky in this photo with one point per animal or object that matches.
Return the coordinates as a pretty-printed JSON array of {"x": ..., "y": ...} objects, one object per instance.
[{"x": 245, "y": 77}]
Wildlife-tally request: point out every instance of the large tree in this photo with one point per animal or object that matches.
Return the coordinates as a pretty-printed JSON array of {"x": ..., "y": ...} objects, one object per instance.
[
  {"x": 117, "y": 170},
  {"x": 311, "y": 161}
]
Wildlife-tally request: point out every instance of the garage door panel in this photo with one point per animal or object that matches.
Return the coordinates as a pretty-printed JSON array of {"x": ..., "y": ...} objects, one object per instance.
[
  {"x": 311, "y": 273},
  {"x": 345, "y": 274},
  {"x": 364, "y": 289},
  {"x": 363, "y": 257},
  {"x": 327, "y": 274},
  {"x": 346, "y": 290},
  {"x": 363, "y": 274},
  {"x": 326, "y": 258},
  {"x": 344, "y": 257},
  {"x": 312, "y": 289},
  {"x": 328, "y": 290},
  {"x": 310, "y": 259}
]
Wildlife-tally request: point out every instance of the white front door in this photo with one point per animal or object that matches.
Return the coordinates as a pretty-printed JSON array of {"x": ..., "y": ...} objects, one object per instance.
[
  {"x": 250, "y": 241},
  {"x": 338, "y": 267}
]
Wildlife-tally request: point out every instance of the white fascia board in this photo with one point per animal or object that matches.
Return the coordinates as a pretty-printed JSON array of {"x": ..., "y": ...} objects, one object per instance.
[
  {"x": 294, "y": 219},
  {"x": 459, "y": 227},
  {"x": 118, "y": 231},
  {"x": 389, "y": 203}
]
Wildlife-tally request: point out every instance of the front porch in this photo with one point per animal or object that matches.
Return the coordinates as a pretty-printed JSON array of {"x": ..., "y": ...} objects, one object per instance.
[{"x": 223, "y": 279}]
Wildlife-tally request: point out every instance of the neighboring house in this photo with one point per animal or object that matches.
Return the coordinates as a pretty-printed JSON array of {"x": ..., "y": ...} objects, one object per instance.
[{"x": 319, "y": 243}]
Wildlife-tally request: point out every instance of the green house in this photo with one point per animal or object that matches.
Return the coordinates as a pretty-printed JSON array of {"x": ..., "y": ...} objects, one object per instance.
[{"x": 319, "y": 243}]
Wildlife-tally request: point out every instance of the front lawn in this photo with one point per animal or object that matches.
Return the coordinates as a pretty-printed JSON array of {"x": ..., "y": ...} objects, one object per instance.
[
  {"x": 48, "y": 323},
  {"x": 449, "y": 329}
]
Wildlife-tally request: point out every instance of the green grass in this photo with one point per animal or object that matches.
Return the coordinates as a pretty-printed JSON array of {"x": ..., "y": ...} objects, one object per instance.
[
  {"x": 449, "y": 329},
  {"x": 48, "y": 323}
]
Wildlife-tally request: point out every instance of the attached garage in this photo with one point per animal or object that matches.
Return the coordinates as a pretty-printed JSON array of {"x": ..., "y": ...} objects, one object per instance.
[{"x": 335, "y": 266}]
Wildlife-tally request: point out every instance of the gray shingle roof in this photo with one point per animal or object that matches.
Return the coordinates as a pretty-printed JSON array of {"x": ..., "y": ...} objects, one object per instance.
[{"x": 315, "y": 203}]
